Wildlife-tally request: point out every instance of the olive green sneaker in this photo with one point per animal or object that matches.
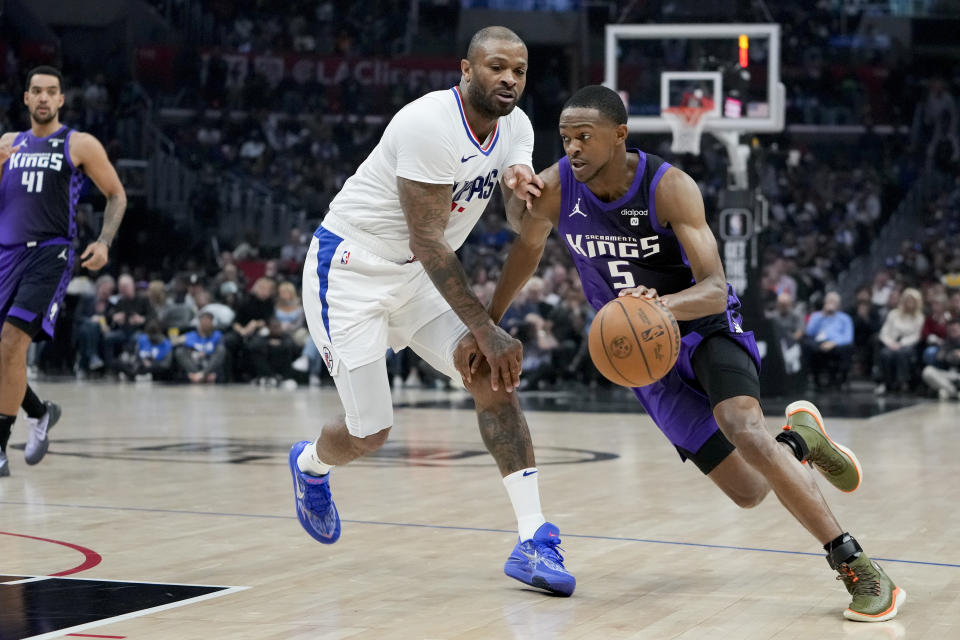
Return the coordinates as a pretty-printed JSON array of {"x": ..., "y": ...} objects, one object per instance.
[
  {"x": 875, "y": 597},
  {"x": 834, "y": 461}
]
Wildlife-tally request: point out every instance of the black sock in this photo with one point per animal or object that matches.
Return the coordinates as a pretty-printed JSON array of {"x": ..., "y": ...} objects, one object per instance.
[
  {"x": 795, "y": 442},
  {"x": 32, "y": 404},
  {"x": 843, "y": 549},
  {"x": 6, "y": 424}
]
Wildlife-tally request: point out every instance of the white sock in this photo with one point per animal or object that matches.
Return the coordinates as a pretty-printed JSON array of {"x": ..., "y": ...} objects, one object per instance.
[
  {"x": 308, "y": 462},
  {"x": 524, "y": 494}
]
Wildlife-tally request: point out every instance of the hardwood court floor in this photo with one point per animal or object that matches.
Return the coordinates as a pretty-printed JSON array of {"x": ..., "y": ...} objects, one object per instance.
[{"x": 190, "y": 486}]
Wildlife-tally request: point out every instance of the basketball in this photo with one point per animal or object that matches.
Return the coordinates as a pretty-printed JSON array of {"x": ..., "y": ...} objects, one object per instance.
[{"x": 634, "y": 341}]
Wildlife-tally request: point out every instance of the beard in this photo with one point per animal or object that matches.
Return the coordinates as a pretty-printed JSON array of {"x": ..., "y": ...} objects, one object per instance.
[
  {"x": 486, "y": 104},
  {"x": 47, "y": 119}
]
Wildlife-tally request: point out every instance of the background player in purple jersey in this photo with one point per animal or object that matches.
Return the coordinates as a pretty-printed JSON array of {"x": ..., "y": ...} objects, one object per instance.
[
  {"x": 634, "y": 225},
  {"x": 41, "y": 173}
]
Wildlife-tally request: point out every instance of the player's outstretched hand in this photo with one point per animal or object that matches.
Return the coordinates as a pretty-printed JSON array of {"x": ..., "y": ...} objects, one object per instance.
[
  {"x": 524, "y": 183},
  {"x": 94, "y": 256},
  {"x": 467, "y": 357},
  {"x": 503, "y": 353}
]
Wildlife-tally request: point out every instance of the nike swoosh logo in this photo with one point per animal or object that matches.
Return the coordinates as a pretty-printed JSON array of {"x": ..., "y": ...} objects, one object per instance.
[
  {"x": 465, "y": 158},
  {"x": 529, "y": 473},
  {"x": 552, "y": 535}
]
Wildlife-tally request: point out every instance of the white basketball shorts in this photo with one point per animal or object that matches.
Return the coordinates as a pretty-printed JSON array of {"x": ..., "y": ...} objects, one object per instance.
[{"x": 358, "y": 304}]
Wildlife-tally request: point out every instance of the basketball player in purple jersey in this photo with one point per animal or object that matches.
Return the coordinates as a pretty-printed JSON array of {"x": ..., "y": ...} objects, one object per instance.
[
  {"x": 41, "y": 172},
  {"x": 635, "y": 225}
]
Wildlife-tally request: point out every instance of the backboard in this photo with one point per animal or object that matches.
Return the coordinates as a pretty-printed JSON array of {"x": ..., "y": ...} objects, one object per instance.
[{"x": 732, "y": 68}]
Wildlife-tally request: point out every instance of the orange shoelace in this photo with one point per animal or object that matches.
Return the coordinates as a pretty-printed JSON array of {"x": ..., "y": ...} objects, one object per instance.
[{"x": 859, "y": 581}]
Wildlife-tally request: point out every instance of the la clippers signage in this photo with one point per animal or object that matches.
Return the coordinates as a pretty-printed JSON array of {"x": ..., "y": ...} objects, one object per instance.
[
  {"x": 329, "y": 71},
  {"x": 155, "y": 64}
]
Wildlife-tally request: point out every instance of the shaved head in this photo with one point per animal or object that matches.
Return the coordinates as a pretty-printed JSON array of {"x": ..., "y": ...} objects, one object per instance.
[{"x": 480, "y": 38}]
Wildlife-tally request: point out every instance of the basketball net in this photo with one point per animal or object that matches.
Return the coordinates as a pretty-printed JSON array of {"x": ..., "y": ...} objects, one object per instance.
[{"x": 687, "y": 126}]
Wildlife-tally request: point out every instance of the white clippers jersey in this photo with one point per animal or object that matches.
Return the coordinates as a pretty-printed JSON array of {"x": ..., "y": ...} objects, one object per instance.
[{"x": 429, "y": 140}]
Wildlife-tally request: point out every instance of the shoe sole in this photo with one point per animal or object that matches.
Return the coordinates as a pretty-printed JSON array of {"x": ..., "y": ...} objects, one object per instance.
[
  {"x": 899, "y": 597},
  {"x": 54, "y": 410},
  {"x": 516, "y": 568},
  {"x": 803, "y": 405},
  {"x": 542, "y": 583}
]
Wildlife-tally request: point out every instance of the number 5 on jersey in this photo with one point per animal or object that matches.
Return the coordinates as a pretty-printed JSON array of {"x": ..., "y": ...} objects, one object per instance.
[
  {"x": 621, "y": 268},
  {"x": 33, "y": 181}
]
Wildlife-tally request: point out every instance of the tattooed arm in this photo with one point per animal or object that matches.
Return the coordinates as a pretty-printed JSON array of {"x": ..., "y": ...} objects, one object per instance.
[
  {"x": 87, "y": 152},
  {"x": 426, "y": 208},
  {"x": 532, "y": 210}
]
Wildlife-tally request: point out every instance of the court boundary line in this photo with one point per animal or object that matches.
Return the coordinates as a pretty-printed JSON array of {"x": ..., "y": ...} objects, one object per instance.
[
  {"x": 136, "y": 614},
  {"x": 160, "y": 582},
  {"x": 703, "y": 545},
  {"x": 90, "y": 557}
]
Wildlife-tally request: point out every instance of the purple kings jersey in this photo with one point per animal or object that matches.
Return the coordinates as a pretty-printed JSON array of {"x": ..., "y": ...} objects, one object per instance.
[
  {"x": 39, "y": 190},
  {"x": 621, "y": 244},
  {"x": 618, "y": 245}
]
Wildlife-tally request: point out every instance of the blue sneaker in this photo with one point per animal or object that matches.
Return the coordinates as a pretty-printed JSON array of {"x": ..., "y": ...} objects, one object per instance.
[
  {"x": 538, "y": 562},
  {"x": 315, "y": 508}
]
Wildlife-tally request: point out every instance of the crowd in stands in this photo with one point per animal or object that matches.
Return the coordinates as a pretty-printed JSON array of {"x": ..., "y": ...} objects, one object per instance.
[
  {"x": 328, "y": 26},
  {"x": 892, "y": 334},
  {"x": 207, "y": 323},
  {"x": 242, "y": 321},
  {"x": 902, "y": 331},
  {"x": 302, "y": 139},
  {"x": 238, "y": 318}
]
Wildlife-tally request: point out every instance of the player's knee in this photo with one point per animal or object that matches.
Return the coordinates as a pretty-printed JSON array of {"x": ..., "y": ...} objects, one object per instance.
[
  {"x": 748, "y": 498},
  {"x": 372, "y": 442},
  {"x": 746, "y": 502},
  {"x": 13, "y": 348},
  {"x": 484, "y": 397},
  {"x": 741, "y": 500},
  {"x": 742, "y": 422},
  {"x": 757, "y": 446},
  {"x": 740, "y": 481}
]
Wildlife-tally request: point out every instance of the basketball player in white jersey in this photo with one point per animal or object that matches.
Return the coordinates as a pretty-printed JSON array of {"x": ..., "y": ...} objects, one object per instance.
[{"x": 381, "y": 272}]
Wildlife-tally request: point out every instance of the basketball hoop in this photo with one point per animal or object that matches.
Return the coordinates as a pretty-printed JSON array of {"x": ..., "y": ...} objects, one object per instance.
[{"x": 687, "y": 126}]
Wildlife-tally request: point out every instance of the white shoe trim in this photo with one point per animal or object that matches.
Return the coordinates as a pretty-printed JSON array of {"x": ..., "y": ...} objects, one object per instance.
[{"x": 899, "y": 597}]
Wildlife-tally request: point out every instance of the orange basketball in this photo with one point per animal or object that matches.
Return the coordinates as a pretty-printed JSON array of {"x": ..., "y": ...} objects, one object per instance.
[{"x": 634, "y": 341}]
